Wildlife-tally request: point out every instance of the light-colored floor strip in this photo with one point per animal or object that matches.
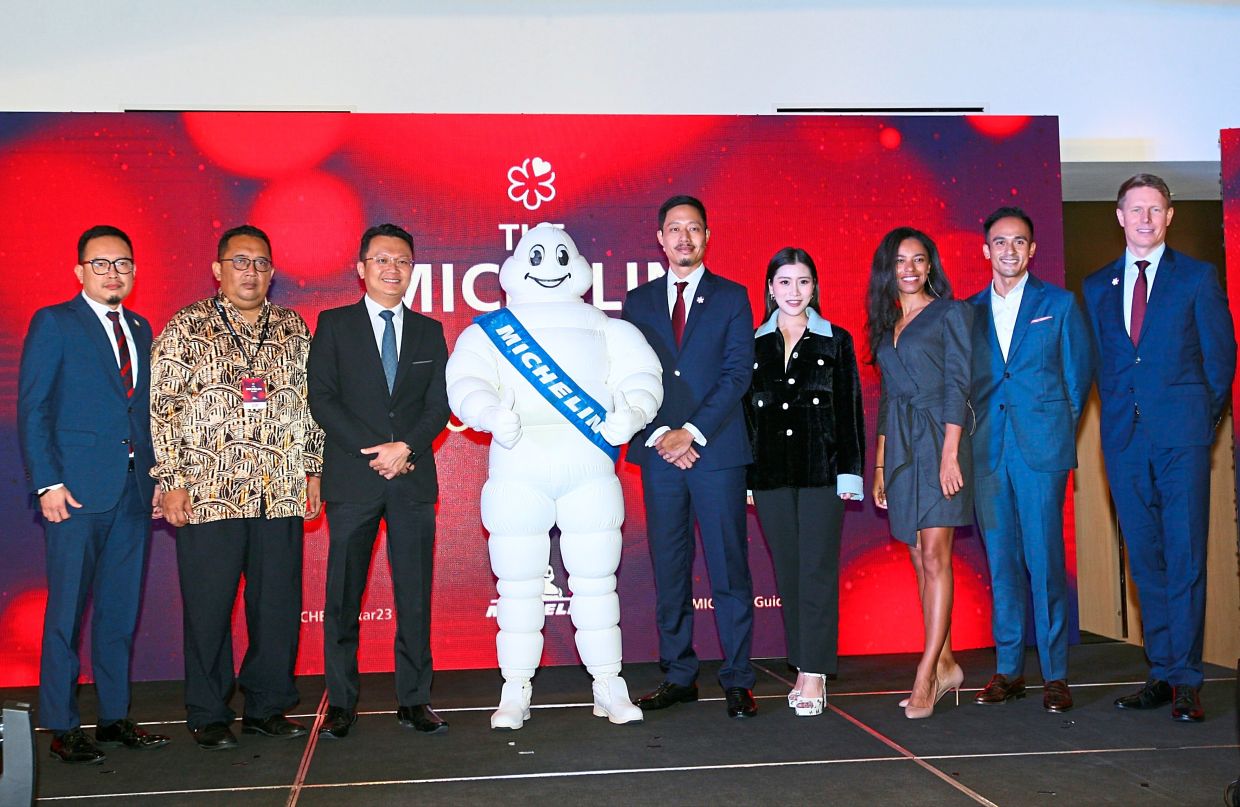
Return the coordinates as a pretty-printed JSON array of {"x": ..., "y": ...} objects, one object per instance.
[{"x": 308, "y": 754}]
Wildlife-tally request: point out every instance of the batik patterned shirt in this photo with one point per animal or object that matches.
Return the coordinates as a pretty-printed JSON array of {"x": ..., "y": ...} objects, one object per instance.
[{"x": 235, "y": 462}]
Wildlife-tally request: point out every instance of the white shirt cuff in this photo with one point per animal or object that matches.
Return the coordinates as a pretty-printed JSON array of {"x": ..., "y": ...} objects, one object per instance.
[
  {"x": 849, "y": 483},
  {"x": 659, "y": 432},
  {"x": 698, "y": 437},
  {"x": 41, "y": 491}
]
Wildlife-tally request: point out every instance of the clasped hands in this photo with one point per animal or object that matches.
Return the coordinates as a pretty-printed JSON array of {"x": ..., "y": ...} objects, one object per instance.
[
  {"x": 390, "y": 459},
  {"x": 676, "y": 446}
]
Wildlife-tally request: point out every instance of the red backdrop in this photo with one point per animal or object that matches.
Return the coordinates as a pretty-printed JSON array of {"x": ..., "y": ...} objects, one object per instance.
[{"x": 464, "y": 185}]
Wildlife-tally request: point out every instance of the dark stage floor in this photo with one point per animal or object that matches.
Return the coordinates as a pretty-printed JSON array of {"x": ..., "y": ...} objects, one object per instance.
[{"x": 863, "y": 751}]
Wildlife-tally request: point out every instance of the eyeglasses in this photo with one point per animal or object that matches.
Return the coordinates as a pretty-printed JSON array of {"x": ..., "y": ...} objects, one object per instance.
[
  {"x": 385, "y": 261},
  {"x": 101, "y": 266},
  {"x": 241, "y": 263}
]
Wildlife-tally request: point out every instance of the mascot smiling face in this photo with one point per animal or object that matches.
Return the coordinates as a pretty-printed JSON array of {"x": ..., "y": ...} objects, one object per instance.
[{"x": 545, "y": 267}]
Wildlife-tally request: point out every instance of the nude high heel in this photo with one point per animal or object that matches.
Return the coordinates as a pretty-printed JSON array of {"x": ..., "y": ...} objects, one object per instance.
[
  {"x": 920, "y": 712},
  {"x": 953, "y": 681}
]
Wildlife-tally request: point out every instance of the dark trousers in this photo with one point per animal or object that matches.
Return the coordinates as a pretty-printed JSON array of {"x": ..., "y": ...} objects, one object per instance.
[
  {"x": 715, "y": 500},
  {"x": 1162, "y": 497},
  {"x": 802, "y": 528},
  {"x": 410, "y": 552},
  {"x": 101, "y": 554},
  {"x": 211, "y": 558}
]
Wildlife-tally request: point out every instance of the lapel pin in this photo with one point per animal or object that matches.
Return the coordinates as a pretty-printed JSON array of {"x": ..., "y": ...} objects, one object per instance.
[
  {"x": 701, "y": 299},
  {"x": 1115, "y": 281}
]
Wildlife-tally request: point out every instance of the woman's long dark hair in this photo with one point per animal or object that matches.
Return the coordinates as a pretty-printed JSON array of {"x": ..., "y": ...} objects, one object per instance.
[
  {"x": 881, "y": 302},
  {"x": 786, "y": 257}
]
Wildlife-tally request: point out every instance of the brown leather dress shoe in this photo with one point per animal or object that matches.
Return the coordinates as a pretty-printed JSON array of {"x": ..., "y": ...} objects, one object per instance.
[
  {"x": 1001, "y": 690},
  {"x": 1186, "y": 706},
  {"x": 1056, "y": 697},
  {"x": 128, "y": 734}
]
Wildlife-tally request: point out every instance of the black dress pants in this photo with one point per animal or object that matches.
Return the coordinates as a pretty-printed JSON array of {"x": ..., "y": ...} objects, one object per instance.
[
  {"x": 802, "y": 528},
  {"x": 211, "y": 559}
]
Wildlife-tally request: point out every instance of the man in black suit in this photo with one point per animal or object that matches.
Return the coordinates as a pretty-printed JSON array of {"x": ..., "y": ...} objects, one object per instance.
[{"x": 377, "y": 389}]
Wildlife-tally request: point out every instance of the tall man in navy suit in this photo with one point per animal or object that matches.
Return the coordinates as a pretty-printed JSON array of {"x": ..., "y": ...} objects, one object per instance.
[
  {"x": 83, "y": 415},
  {"x": 1168, "y": 357},
  {"x": 693, "y": 456},
  {"x": 1032, "y": 368},
  {"x": 377, "y": 389}
]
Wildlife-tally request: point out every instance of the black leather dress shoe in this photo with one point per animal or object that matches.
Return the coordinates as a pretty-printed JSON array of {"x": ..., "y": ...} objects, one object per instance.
[
  {"x": 1154, "y": 694},
  {"x": 1001, "y": 689},
  {"x": 1187, "y": 705},
  {"x": 76, "y": 748},
  {"x": 276, "y": 725},
  {"x": 667, "y": 694},
  {"x": 1056, "y": 697},
  {"x": 337, "y": 722},
  {"x": 214, "y": 737},
  {"x": 128, "y": 734},
  {"x": 421, "y": 717},
  {"x": 740, "y": 702}
]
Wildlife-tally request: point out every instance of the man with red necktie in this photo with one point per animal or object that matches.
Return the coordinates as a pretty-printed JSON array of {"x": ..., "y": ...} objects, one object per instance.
[
  {"x": 1167, "y": 360},
  {"x": 84, "y": 422}
]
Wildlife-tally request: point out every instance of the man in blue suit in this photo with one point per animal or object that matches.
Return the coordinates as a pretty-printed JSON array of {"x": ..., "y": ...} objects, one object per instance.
[
  {"x": 1168, "y": 356},
  {"x": 83, "y": 416},
  {"x": 693, "y": 456},
  {"x": 1032, "y": 367}
]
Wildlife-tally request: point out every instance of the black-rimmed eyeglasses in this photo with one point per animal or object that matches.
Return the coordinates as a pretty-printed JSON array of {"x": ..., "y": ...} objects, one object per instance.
[
  {"x": 242, "y": 263},
  {"x": 101, "y": 266}
]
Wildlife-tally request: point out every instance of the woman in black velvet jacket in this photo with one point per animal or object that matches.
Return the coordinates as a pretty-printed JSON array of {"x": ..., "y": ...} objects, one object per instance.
[{"x": 808, "y": 434}]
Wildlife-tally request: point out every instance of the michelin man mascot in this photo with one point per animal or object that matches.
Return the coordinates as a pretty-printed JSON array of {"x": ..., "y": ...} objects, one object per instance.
[{"x": 559, "y": 385}]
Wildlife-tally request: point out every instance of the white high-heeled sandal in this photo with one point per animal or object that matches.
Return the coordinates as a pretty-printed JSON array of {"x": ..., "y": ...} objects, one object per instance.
[
  {"x": 795, "y": 693},
  {"x": 809, "y": 707}
]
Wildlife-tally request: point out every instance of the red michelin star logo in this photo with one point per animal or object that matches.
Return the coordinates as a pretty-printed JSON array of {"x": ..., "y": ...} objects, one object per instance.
[{"x": 532, "y": 182}]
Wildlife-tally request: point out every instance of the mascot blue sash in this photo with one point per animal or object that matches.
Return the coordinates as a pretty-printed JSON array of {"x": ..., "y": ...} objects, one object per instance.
[{"x": 534, "y": 364}]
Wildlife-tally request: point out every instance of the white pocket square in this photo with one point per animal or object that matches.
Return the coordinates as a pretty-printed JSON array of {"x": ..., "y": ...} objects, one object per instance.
[
  {"x": 421, "y": 361},
  {"x": 1040, "y": 319}
]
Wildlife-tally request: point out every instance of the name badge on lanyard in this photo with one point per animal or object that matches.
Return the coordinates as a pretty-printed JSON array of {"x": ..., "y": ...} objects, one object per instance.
[
  {"x": 253, "y": 394},
  {"x": 253, "y": 388}
]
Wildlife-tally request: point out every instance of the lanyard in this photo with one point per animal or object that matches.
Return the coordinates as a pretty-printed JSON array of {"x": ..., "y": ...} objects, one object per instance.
[{"x": 262, "y": 335}]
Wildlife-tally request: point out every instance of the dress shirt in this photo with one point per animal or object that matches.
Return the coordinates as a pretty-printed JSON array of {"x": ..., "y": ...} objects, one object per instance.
[
  {"x": 1004, "y": 311},
  {"x": 101, "y": 311},
  {"x": 1130, "y": 278},
  {"x": 235, "y": 462},
  {"x": 377, "y": 322},
  {"x": 694, "y": 278}
]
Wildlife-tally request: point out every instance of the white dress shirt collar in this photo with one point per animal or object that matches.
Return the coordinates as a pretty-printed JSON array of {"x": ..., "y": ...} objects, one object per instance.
[{"x": 690, "y": 293}]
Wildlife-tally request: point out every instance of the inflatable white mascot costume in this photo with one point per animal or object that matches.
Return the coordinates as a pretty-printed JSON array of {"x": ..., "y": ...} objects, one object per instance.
[{"x": 558, "y": 384}]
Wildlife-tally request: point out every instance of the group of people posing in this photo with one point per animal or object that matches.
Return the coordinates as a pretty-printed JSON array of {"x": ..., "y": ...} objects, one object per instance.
[{"x": 235, "y": 425}]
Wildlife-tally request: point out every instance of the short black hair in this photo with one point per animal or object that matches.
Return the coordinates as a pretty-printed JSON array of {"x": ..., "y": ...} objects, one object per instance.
[
  {"x": 101, "y": 231},
  {"x": 383, "y": 231},
  {"x": 244, "y": 229},
  {"x": 677, "y": 201},
  {"x": 1007, "y": 213}
]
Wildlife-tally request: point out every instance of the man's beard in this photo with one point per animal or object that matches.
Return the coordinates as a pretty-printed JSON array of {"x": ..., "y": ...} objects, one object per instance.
[
  {"x": 114, "y": 299},
  {"x": 685, "y": 261}
]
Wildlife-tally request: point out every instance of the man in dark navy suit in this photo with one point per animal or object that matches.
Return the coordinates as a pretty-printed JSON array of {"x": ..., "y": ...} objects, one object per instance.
[
  {"x": 377, "y": 389},
  {"x": 1032, "y": 368},
  {"x": 84, "y": 421},
  {"x": 693, "y": 456},
  {"x": 1168, "y": 357}
]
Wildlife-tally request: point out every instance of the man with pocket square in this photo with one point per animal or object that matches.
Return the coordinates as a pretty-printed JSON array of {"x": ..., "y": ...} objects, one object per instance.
[
  {"x": 1032, "y": 367},
  {"x": 377, "y": 389}
]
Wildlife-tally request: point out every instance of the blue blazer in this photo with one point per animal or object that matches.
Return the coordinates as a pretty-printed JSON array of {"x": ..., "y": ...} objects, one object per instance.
[
  {"x": 1042, "y": 386},
  {"x": 705, "y": 380},
  {"x": 73, "y": 418},
  {"x": 1179, "y": 374}
]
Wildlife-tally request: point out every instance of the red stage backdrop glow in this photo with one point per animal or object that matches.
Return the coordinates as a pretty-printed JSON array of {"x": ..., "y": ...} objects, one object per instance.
[
  {"x": 1229, "y": 140},
  {"x": 466, "y": 186}
]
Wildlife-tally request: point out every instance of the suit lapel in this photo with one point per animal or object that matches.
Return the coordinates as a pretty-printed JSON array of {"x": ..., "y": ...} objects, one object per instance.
[
  {"x": 662, "y": 313},
  {"x": 361, "y": 335},
  {"x": 1111, "y": 307},
  {"x": 407, "y": 342},
  {"x": 698, "y": 310},
  {"x": 103, "y": 345},
  {"x": 1029, "y": 302},
  {"x": 1164, "y": 282}
]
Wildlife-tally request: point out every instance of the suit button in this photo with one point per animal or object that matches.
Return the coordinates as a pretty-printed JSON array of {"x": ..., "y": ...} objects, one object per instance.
[
  {"x": 391, "y": 414},
  {"x": 1007, "y": 375},
  {"x": 1138, "y": 359},
  {"x": 785, "y": 406},
  {"x": 815, "y": 402},
  {"x": 792, "y": 381},
  {"x": 124, "y": 442},
  {"x": 789, "y": 432},
  {"x": 755, "y": 365},
  {"x": 676, "y": 373},
  {"x": 1002, "y": 407},
  {"x": 794, "y": 354},
  {"x": 821, "y": 362},
  {"x": 131, "y": 408},
  {"x": 760, "y": 404}
]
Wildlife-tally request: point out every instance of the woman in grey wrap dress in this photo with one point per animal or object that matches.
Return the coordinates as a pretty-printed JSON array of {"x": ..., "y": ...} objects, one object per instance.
[{"x": 920, "y": 340}]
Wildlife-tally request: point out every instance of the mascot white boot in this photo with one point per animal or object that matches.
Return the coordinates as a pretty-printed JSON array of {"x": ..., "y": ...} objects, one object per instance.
[{"x": 558, "y": 384}]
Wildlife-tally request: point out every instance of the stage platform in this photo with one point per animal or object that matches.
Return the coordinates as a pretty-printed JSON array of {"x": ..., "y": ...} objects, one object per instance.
[{"x": 862, "y": 751}]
